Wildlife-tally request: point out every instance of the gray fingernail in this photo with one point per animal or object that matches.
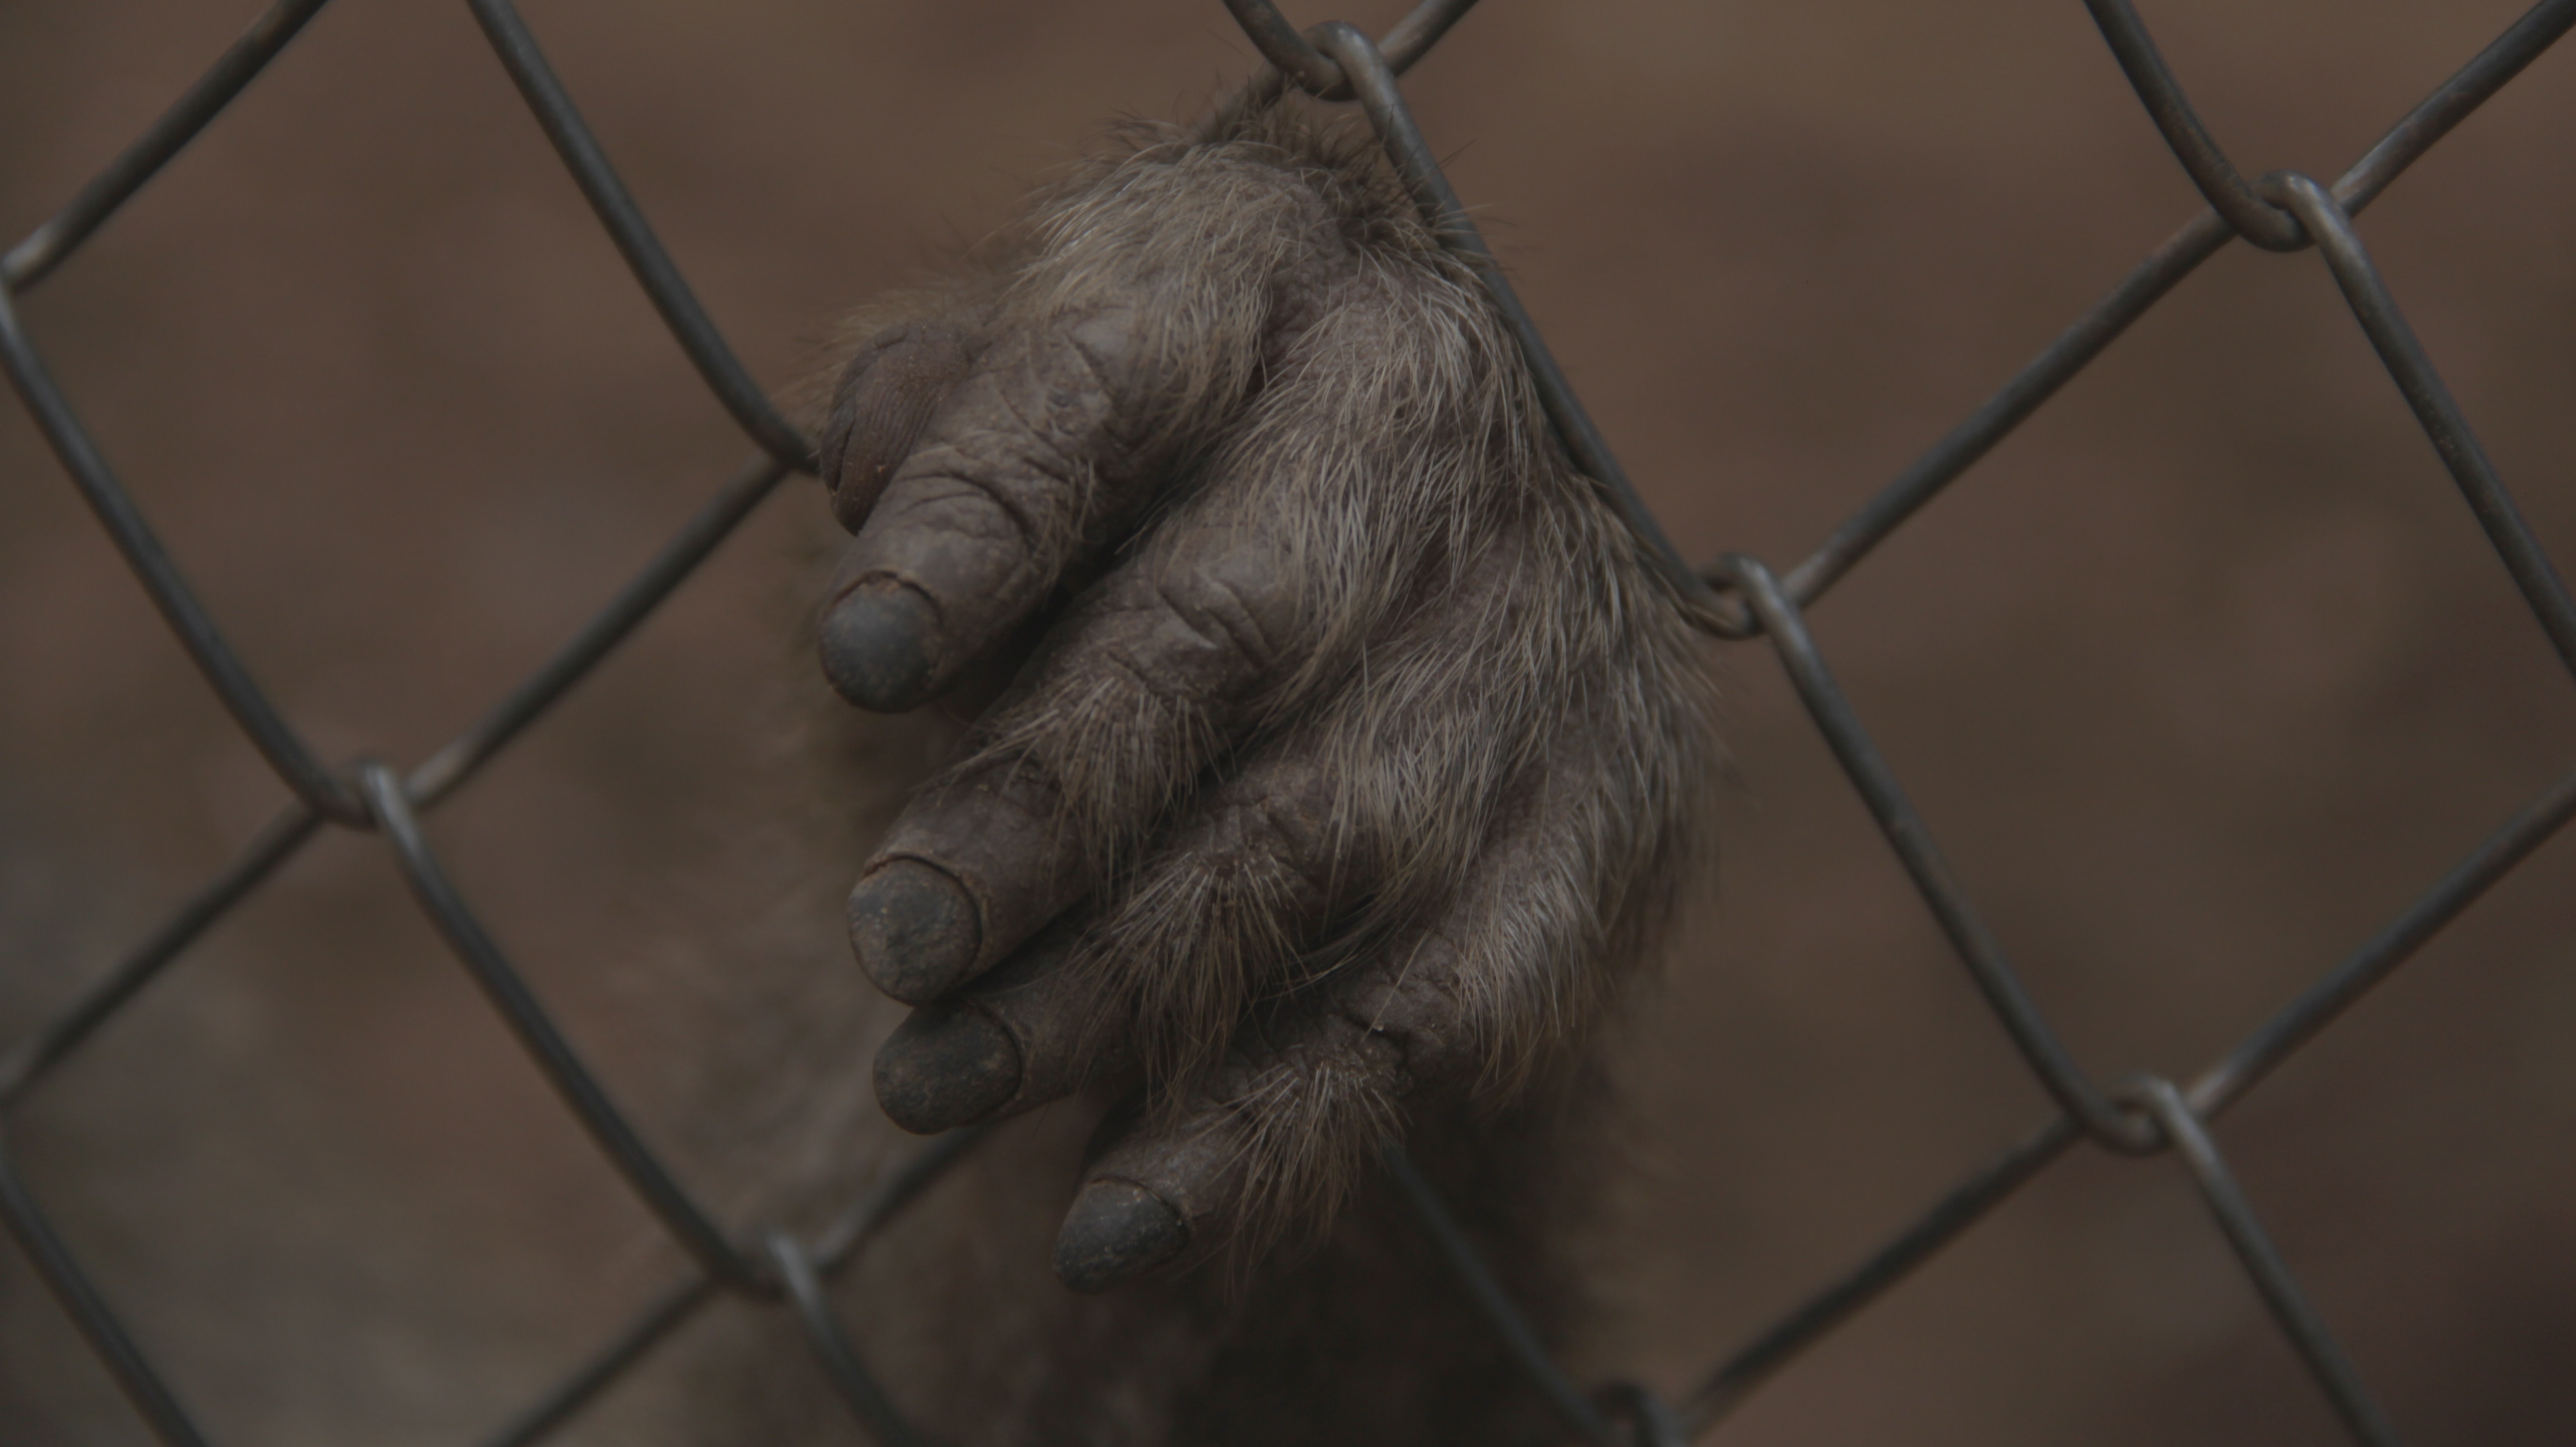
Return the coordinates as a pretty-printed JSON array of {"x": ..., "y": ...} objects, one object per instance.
[
  {"x": 1114, "y": 1231},
  {"x": 877, "y": 647},
  {"x": 946, "y": 1066},
  {"x": 914, "y": 930}
]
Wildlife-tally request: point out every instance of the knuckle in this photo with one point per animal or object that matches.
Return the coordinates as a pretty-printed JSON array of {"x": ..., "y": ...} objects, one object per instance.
[
  {"x": 1103, "y": 341},
  {"x": 948, "y": 492},
  {"x": 1230, "y": 594}
]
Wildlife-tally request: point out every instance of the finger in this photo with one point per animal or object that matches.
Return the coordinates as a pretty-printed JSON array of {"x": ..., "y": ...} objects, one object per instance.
[
  {"x": 1477, "y": 989},
  {"x": 883, "y": 403},
  {"x": 1365, "y": 813},
  {"x": 1161, "y": 668},
  {"x": 1131, "y": 698},
  {"x": 1229, "y": 908},
  {"x": 1022, "y": 1036},
  {"x": 1235, "y": 895},
  {"x": 1384, "y": 806},
  {"x": 973, "y": 867},
  {"x": 980, "y": 519},
  {"x": 1283, "y": 1130},
  {"x": 1139, "y": 326}
]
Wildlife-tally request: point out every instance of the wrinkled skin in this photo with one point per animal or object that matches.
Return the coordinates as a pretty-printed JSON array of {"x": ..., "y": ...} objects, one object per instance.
[
  {"x": 1349, "y": 757},
  {"x": 1310, "y": 759}
]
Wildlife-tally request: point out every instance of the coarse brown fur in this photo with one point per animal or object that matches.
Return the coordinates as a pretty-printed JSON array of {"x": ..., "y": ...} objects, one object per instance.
[
  {"x": 1375, "y": 874},
  {"x": 1357, "y": 760}
]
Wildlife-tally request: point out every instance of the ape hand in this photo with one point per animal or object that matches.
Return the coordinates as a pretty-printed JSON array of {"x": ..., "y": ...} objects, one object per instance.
[{"x": 1359, "y": 752}]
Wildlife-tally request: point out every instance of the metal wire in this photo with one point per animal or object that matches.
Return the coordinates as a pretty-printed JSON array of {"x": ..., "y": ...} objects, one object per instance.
[{"x": 1735, "y": 597}]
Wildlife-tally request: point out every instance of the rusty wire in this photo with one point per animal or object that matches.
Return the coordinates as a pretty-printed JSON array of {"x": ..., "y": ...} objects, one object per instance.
[{"x": 1735, "y": 597}]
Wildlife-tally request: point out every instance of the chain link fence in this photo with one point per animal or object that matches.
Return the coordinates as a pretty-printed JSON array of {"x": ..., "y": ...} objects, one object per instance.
[{"x": 1737, "y": 597}]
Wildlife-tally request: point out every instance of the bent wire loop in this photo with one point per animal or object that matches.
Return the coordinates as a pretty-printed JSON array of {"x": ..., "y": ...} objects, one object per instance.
[{"x": 1734, "y": 597}]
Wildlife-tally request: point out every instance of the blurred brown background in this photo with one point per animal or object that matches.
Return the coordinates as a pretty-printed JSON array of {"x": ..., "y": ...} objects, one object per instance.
[{"x": 2199, "y": 678}]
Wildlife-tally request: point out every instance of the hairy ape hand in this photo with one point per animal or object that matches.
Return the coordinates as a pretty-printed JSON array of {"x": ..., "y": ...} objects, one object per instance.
[{"x": 1353, "y": 752}]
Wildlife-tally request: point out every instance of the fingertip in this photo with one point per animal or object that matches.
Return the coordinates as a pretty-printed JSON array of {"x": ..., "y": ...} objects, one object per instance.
[
  {"x": 946, "y": 1066},
  {"x": 1116, "y": 1230},
  {"x": 877, "y": 648},
  {"x": 886, "y": 399},
  {"x": 914, "y": 930}
]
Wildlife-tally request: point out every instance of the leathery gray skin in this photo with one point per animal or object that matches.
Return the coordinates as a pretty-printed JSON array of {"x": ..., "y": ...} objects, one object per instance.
[{"x": 1359, "y": 756}]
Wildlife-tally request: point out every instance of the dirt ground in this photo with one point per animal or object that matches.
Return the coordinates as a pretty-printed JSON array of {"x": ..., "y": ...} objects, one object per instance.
[{"x": 2199, "y": 678}]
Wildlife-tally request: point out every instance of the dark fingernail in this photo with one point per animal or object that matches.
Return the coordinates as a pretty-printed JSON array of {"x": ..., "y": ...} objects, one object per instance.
[
  {"x": 1114, "y": 1231},
  {"x": 877, "y": 648},
  {"x": 945, "y": 1067},
  {"x": 914, "y": 930}
]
